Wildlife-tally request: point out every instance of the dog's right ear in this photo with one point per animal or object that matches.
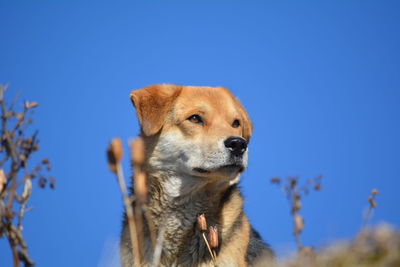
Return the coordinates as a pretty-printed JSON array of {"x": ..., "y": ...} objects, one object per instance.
[{"x": 152, "y": 105}]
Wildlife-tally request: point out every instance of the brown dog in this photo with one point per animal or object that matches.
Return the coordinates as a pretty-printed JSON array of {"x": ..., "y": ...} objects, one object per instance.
[{"x": 196, "y": 148}]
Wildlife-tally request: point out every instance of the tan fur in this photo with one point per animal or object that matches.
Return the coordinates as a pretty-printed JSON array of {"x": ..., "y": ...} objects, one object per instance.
[{"x": 190, "y": 171}]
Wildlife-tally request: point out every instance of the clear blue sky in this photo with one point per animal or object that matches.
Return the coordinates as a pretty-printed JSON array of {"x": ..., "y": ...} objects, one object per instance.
[{"x": 320, "y": 79}]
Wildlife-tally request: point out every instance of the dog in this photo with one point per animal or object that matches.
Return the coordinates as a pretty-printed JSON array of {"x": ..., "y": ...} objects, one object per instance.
[{"x": 195, "y": 151}]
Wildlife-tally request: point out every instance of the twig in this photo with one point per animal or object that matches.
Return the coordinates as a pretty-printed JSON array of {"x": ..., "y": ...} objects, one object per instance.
[
  {"x": 158, "y": 247},
  {"x": 131, "y": 218},
  {"x": 208, "y": 247},
  {"x": 14, "y": 251}
]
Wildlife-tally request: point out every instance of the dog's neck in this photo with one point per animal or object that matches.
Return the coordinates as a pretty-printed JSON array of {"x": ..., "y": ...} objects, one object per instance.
[
  {"x": 174, "y": 191},
  {"x": 176, "y": 201}
]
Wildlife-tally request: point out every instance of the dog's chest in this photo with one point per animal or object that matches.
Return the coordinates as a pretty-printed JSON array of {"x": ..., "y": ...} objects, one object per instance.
[{"x": 182, "y": 239}]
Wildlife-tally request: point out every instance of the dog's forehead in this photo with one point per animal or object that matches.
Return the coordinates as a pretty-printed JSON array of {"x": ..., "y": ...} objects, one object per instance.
[{"x": 206, "y": 98}]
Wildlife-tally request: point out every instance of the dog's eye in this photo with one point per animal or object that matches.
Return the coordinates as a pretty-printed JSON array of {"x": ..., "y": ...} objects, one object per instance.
[
  {"x": 235, "y": 123},
  {"x": 195, "y": 119}
]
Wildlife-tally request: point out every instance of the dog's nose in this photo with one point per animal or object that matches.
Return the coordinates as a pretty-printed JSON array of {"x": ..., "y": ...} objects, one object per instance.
[{"x": 236, "y": 145}]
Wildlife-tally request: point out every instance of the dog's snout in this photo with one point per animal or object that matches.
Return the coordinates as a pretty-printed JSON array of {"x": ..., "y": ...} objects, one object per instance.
[{"x": 236, "y": 145}]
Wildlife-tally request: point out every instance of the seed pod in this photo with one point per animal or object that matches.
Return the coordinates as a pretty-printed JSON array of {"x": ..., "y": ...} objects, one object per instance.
[
  {"x": 141, "y": 187},
  {"x": 52, "y": 182},
  {"x": 42, "y": 182},
  {"x": 114, "y": 154},
  {"x": 374, "y": 192},
  {"x": 137, "y": 151},
  {"x": 292, "y": 182},
  {"x": 275, "y": 180},
  {"x": 202, "y": 222},
  {"x": 372, "y": 202},
  {"x": 213, "y": 237}
]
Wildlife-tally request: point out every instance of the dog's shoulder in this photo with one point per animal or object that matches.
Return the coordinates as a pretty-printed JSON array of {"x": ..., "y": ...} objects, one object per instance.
[{"x": 258, "y": 252}]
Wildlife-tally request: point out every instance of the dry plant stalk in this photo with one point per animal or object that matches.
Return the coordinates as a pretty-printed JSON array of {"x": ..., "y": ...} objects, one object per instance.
[
  {"x": 136, "y": 208},
  {"x": 202, "y": 225},
  {"x": 294, "y": 192},
  {"x": 138, "y": 157},
  {"x": 371, "y": 207},
  {"x": 114, "y": 155},
  {"x": 158, "y": 247},
  {"x": 16, "y": 151},
  {"x": 139, "y": 185}
]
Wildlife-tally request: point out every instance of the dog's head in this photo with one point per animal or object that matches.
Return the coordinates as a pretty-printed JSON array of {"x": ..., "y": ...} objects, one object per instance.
[{"x": 201, "y": 131}]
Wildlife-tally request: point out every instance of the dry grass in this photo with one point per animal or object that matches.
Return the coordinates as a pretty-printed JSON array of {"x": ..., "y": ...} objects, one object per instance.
[{"x": 372, "y": 247}]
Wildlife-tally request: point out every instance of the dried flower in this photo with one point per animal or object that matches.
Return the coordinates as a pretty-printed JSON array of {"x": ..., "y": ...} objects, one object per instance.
[
  {"x": 138, "y": 151},
  {"x": 213, "y": 237},
  {"x": 141, "y": 187},
  {"x": 114, "y": 154},
  {"x": 275, "y": 180},
  {"x": 372, "y": 202},
  {"x": 52, "y": 182},
  {"x": 42, "y": 182},
  {"x": 202, "y": 222},
  {"x": 372, "y": 205}
]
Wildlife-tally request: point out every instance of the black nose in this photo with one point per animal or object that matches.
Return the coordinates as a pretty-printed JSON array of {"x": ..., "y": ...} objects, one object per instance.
[{"x": 236, "y": 145}]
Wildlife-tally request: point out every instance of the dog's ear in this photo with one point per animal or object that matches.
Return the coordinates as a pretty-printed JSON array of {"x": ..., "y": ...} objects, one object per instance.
[
  {"x": 152, "y": 105},
  {"x": 247, "y": 125}
]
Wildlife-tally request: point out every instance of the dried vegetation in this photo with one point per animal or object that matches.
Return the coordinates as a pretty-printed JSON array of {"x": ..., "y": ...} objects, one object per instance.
[
  {"x": 17, "y": 172},
  {"x": 379, "y": 246}
]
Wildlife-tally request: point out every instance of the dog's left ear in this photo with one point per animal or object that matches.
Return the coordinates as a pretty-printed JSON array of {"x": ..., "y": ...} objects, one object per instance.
[
  {"x": 152, "y": 105},
  {"x": 247, "y": 125}
]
